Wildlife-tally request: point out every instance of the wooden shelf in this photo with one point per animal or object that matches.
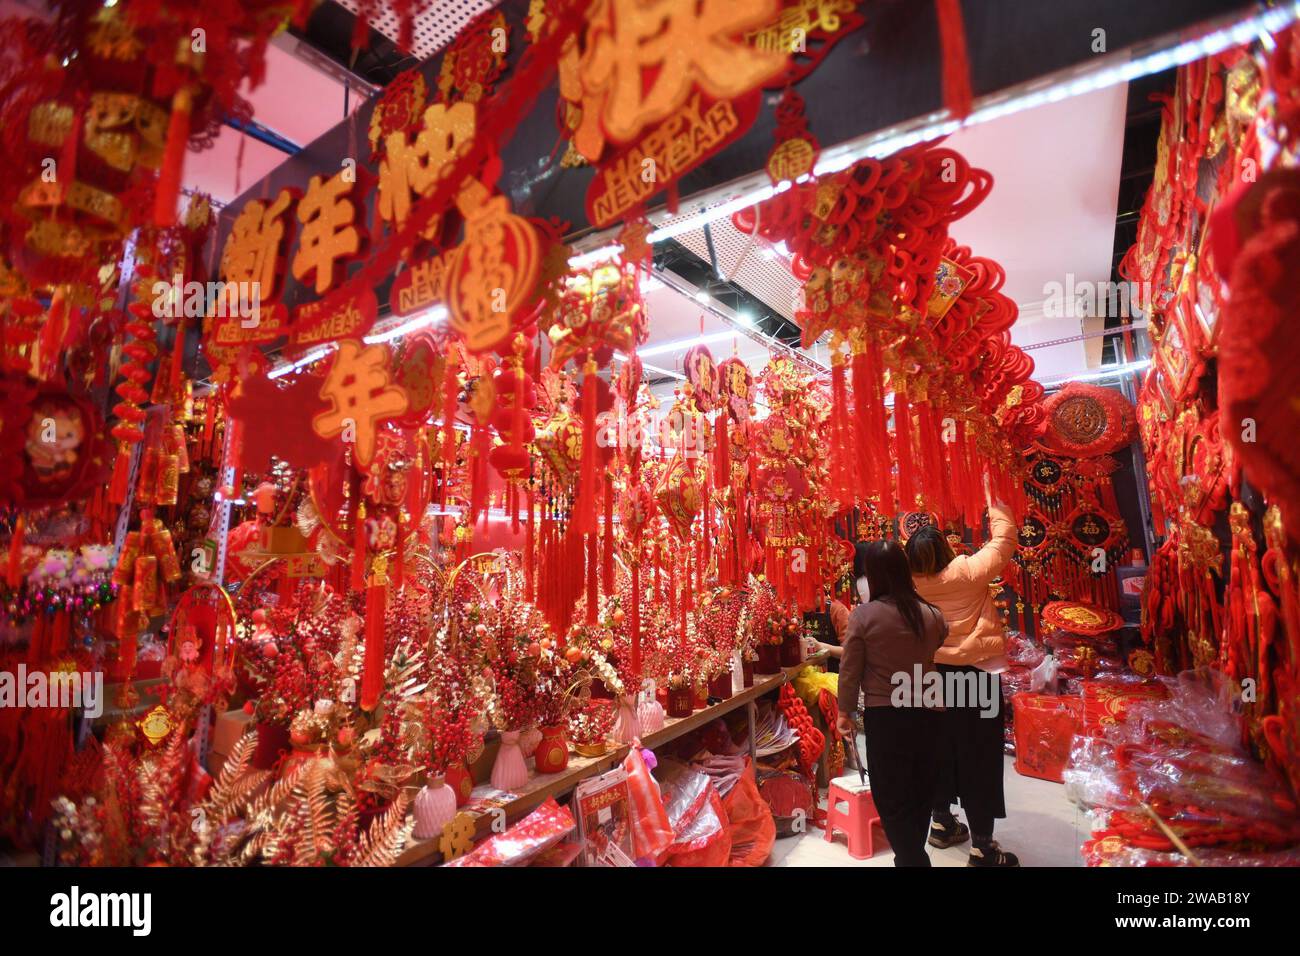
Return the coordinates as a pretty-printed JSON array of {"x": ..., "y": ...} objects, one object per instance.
[{"x": 540, "y": 787}]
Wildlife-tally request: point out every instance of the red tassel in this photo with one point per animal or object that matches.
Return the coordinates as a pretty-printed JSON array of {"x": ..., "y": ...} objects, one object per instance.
[
  {"x": 530, "y": 578},
  {"x": 585, "y": 518},
  {"x": 358, "y": 581},
  {"x": 863, "y": 432},
  {"x": 450, "y": 393},
  {"x": 517, "y": 434},
  {"x": 956, "y": 65},
  {"x": 14, "y": 571},
  {"x": 372, "y": 674},
  {"x": 841, "y": 483},
  {"x": 607, "y": 565},
  {"x": 399, "y": 562},
  {"x": 634, "y": 613},
  {"x": 169, "y": 174},
  {"x": 903, "y": 451},
  {"x": 593, "y": 565}
]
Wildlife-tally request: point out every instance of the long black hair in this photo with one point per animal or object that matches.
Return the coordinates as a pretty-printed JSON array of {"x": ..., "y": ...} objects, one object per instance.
[
  {"x": 928, "y": 551},
  {"x": 890, "y": 578}
]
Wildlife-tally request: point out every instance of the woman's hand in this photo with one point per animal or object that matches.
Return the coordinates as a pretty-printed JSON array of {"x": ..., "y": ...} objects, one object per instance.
[
  {"x": 844, "y": 726},
  {"x": 834, "y": 650}
]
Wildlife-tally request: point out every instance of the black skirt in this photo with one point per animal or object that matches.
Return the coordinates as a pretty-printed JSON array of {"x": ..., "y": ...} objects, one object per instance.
[{"x": 970, "y": 750}]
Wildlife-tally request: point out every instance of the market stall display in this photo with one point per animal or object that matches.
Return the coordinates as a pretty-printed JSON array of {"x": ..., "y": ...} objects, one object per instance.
[{"x": 368, "y": 492}]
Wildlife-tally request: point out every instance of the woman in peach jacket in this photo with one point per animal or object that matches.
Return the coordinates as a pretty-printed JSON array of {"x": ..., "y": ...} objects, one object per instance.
[{"x": 971, "y": 758}]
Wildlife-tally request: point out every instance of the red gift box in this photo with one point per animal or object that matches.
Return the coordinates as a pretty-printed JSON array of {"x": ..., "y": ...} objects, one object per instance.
[{"x": 1045, "y": 727}]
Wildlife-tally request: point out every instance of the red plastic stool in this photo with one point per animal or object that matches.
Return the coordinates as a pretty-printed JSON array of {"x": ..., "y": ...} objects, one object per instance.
[{"x": 855, "y": 822}]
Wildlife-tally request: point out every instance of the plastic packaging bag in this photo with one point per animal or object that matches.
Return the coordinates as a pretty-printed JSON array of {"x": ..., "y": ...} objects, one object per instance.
[
  {"x": 1043, "y": 675},
  {"x": 753, "y": 831},
  {"x": 1045, "y": 727},
  {"x": 651, "y": 830},
  {"x": 706, "y": 840}
]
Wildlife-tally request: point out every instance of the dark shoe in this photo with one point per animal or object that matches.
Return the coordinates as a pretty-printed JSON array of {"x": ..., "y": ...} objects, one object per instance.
[
  {"x": 946, "y": 833},
  {"x": 992, "y": 855}
]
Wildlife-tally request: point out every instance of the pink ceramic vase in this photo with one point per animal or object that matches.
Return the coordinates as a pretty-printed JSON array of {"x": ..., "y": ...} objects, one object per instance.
[
  {"x": 509, "y": 770},
  {"x": 435, "y": 805}
]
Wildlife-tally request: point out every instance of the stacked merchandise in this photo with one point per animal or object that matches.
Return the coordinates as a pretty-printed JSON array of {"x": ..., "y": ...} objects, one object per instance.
[
  {"x": 1169, "y": 783},
  {"x": 1051, "y": 683},
  {"x": 1217, "y": 424}
]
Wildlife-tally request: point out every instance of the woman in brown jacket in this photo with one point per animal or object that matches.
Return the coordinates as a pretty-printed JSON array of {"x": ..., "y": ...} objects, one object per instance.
[
  {"x": 971, "y": 745},
  {"x": 889, "y": 642}
]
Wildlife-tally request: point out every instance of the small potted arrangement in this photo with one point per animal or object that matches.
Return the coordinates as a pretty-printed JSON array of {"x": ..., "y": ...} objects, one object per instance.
[
  {"x": 558, "y": 683},
  {"x": 767, "y": 628},
  {"x": 792, "y": 641},
  {"x": 681, "y": 680},
  {"x": 450, "y": 721},
  {"x": 589, "y": 727},
  {"x": 718, "y": 634}
]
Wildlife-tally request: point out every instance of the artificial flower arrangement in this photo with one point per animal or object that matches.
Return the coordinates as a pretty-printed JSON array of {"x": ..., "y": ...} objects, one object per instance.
[
  {"x": 590, "y": 726},
  {"x": 773, "y": 629},
  {"x": 718, "y": 624},
  {"x": 767, "y": 619},
  {"x": 592, "y": 648}
]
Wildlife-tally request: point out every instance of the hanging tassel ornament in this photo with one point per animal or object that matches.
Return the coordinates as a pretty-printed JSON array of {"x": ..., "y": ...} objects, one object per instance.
[
  {"x": 358, "y": 581},
  {"x": 607, "y": 560},
  {"x": 956, "y": 65},
  {"x": 372, "y": 674},
  {"x": 903, "y": 449},
  {"x": 586, "y": 512},
  {"x": 169, "y": 174}
]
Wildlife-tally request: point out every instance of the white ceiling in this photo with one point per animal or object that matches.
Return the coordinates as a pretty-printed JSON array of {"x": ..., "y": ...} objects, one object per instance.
[{"x": 1051, "y": 213}]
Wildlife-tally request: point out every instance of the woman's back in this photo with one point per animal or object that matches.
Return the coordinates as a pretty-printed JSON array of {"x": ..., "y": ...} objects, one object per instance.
[
  {"x": 879, "y": 644},
  {"x": 961, "y": 591}
]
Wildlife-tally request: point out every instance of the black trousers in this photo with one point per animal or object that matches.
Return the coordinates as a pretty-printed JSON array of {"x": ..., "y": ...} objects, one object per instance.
[
  {"x": 970, "y": 756},
  {"x": 900, "y": 759}
]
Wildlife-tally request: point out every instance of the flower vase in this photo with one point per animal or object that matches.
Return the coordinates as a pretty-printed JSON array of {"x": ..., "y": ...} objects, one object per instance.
[
  {"x": 552, "y": 753},
  {"x": 701, "y": 696},
  {"x": 769, "y": 659},
  {"x": 435, "y": 805},
  {"x": 747, "y": 672},
  {"x": 720, "y": 686},
  {"x": 509, "y": 770},
  {"x": 461, "y": 781},
  {"x": 681, "y": 701},
  {"x": 627, "y": 725},
  {"x": 272, "y": 744},
  {"x": 651, "y": 715},
  {"x": 791, "y": 651}
]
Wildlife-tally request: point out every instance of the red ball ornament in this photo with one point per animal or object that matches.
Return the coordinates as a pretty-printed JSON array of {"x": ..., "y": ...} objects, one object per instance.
[{"x": 270, "y": 651}]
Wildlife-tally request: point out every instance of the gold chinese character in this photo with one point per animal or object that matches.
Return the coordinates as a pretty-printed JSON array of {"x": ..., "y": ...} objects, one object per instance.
[
  {"x": 409, "y": 169},
  {"x": 253, "y": 247},
  {"x": 362, "y": 395},
  {"x": 685, "y": 43},
  {"x": 328, "y": 229}
]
